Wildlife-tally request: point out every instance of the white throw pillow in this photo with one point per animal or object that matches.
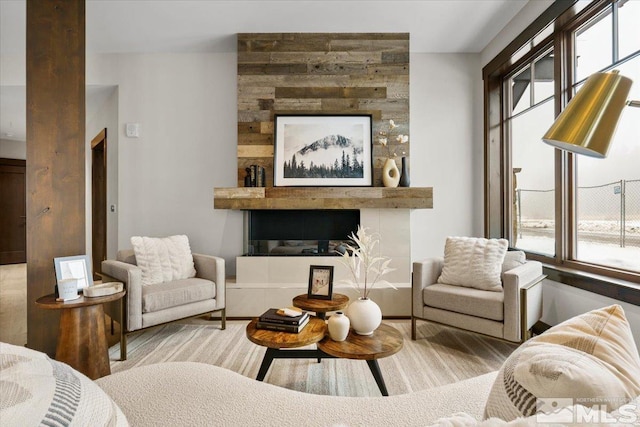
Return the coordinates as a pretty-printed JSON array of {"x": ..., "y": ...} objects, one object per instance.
[
  {"x": 35, "y": 390},
  {"x": 473, "y": 262},
  {"x": 590, "y": 359},
  {"x": 163, "y": 259}
]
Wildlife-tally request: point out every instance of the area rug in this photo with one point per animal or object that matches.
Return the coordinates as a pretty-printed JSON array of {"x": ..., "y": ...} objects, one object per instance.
[{"x": 441, "y": 355}]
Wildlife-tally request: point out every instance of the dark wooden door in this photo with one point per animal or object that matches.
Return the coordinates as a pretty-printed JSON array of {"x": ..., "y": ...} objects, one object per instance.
[
  {"x": 13, "y": 211},
  {"x": 99, "y": 201}
]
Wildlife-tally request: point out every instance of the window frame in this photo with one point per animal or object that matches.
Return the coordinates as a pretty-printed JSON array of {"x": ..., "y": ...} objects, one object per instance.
[{"x": 564, "y": 17}]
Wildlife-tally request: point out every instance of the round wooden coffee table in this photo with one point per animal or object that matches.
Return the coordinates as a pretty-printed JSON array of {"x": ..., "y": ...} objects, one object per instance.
[
  {"x": 315, "y": 331},
  {"x": 385, "y": 341},
  {"x": 82, "y": 342},
  {"x": 321, "y": 306}
]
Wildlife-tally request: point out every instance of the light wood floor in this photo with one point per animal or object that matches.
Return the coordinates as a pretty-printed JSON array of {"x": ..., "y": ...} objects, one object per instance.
[{"x": 13, "y": 303}]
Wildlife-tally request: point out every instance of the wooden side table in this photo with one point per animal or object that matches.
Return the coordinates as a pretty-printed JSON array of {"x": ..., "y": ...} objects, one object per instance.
[
  {"x": 321, "y": 306},
  {"x": 82, "y": 342}
]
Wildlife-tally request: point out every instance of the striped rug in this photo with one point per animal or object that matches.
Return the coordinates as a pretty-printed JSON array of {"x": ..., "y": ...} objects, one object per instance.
[{"x": 441, "y": 355}]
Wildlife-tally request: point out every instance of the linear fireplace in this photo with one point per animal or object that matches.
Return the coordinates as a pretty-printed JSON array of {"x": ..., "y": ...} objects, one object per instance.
[{"x": 299, "y": 232}]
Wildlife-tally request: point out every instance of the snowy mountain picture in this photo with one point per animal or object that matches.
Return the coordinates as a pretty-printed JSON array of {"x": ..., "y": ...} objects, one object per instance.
[{"x": 331, "y": 148}]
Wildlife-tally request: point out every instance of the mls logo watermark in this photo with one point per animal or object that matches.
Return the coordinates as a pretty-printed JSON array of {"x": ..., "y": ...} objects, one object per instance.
[{"x": 553, "y": 410}]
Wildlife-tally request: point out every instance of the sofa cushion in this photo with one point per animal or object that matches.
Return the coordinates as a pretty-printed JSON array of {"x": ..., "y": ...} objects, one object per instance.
[
  {"x": 474, "y": 262},
  {"x": 163, "y": 259},
  {"x": 35, "y": 390},
  {"x": 591, "y": 358},
  {"x": 474, "y": 302},
  {"x": 177, "y": 292}
]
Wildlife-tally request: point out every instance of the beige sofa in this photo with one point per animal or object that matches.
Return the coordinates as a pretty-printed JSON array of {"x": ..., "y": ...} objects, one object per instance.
[{"x": 195, "y": 394}]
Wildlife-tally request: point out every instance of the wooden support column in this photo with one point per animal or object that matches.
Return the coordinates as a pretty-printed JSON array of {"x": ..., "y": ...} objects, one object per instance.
[{"x": 55, "y": 153}]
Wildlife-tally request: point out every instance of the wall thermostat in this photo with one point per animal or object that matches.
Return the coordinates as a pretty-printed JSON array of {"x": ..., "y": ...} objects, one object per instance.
[{"x": 132, "y": 130}]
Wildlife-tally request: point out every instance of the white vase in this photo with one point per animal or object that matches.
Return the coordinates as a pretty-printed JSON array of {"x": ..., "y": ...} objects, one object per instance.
[
  {"x": 390, "y": 173},
  {"x": 365, "y": 316},
  {"x": 338, "y": 325}
]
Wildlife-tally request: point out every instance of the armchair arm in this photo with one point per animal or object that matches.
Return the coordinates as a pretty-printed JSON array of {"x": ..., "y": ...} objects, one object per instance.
[
  {"x": 513, "y": 281},
  {"x": 131, "y": 276},
  {"x": 212, "y": 268},
  {"x": 425, "y": 273}
]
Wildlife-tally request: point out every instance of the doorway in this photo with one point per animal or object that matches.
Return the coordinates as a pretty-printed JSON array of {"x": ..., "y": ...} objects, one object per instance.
[
  {"x": 99, "y": 201},
  {"x": 13, "y": 211}
]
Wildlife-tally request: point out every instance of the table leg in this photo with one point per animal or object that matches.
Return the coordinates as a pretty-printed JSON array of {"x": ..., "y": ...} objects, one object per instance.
[
  {"x": 375, "y": 370},
  {"x": 266, "y": 363},
  {"x": 82, "y": 342}
]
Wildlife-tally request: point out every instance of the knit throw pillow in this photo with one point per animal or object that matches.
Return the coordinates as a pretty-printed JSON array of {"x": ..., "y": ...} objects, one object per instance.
[
  {"x": 163, "y": 259},
  {"x": 590, "y": 360},
  {"x": 473, "y": 262}
]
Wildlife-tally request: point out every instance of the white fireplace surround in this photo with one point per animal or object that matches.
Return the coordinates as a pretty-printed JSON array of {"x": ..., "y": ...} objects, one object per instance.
[{"x": 263, "y": 282}]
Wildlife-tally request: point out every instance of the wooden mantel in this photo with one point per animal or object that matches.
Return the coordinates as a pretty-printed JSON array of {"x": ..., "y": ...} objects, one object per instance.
[{"x": 323, "y": 198}]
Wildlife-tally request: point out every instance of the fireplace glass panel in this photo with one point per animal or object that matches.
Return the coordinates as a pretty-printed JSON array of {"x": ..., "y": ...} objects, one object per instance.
[{"x": 300, "y": 232}]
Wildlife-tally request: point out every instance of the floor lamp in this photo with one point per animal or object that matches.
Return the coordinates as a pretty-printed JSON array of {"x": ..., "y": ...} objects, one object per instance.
[{"x": 586, "y": 126}]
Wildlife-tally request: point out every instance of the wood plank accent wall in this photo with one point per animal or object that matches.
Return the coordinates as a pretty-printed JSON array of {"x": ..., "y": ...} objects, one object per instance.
[
  {"x": 320, "y": 73},
  {"x": 55, "y": 153}
]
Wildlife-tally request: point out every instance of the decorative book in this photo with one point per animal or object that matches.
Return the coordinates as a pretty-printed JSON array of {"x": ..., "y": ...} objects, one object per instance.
[
  {"x": 283, "y": 327},
  {"x": 272, "y": 316}
]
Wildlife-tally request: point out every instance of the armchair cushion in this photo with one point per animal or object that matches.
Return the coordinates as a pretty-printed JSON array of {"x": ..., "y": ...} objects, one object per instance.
[
  {"x": 474, "y": 302},
  {"x": 474, "y": 262},
  {"x": 163, "y": 259},
  {"x": 176, "y": 292},
  {"x": 513, "y": 259}
]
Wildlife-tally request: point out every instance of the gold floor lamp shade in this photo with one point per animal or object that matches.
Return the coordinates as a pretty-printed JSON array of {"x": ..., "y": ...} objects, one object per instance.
[{"x": 586, "y": 126}]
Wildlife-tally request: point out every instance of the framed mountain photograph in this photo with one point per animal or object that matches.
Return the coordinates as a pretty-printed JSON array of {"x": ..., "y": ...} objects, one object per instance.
[{"x": 322, "y": 150}]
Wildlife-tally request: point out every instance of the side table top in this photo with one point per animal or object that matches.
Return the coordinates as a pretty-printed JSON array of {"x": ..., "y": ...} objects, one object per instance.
[
  {"x": 310, "y": 334},
  {"x": 385, "y": 341},
  {"x": 49, "y": 301},
  {"x": 338, "y": 302}
]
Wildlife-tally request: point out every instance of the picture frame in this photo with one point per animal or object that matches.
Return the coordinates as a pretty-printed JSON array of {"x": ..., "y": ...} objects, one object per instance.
[
  {"x": 320, "y": 282},
  {"x": 319, "y": 150},
  {"x": 74, "y": 268}
]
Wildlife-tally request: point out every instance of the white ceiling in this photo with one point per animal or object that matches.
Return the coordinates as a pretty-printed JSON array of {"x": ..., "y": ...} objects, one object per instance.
[{"x": 119, "y": 26}]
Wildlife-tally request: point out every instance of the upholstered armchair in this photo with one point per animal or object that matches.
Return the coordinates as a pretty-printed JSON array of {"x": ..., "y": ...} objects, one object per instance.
[
  {"x": 507, "y": 312},
  {"x": 154, "y": 304}
]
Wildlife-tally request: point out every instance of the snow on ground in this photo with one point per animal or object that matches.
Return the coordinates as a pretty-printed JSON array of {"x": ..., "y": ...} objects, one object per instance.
[{"x": 627, "y": 258}]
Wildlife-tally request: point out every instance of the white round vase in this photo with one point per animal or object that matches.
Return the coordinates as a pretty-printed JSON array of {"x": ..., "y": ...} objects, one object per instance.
[
  {"x": 338, "y": 325},
  {"x": 365, "y": 316},
  {"x": 390, "y": 173}
]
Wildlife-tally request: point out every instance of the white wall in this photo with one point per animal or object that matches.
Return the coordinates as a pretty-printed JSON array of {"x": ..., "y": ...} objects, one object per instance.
[
  {"x": 446, "y": 148},
  {"x": 560, "y": 302},
  {"x": 10, "y": 149},
  {"x": 186, "y": 107}
]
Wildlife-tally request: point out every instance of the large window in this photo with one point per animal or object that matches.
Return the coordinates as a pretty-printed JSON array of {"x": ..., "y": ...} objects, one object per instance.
[
  {"x": 608, "y": 191},
  {"x": 564, "y": 209}
]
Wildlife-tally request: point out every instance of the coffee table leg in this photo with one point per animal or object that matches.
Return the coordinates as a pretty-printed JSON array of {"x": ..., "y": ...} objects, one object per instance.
[
  {"x": 266, "y": 363},
  {"x": 375, "y": 370}
]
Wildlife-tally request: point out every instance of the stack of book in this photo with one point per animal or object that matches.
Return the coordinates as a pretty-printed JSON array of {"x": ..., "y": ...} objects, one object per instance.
[{"x": 274, "y": 319}]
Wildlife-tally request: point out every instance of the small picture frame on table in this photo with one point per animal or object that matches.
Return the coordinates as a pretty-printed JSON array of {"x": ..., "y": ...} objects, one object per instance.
[
  {"x": 320, "y": 282},
  {"x": 73, "y": 268}
]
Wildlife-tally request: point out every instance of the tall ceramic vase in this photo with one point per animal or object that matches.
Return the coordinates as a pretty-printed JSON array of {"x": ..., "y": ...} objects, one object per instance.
[
  {"x": 365, "y": 316},
  {"x": 338, "y": 325},
  {"x": 404, "y": 176},
  {"x": 390, "y": 173}
]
